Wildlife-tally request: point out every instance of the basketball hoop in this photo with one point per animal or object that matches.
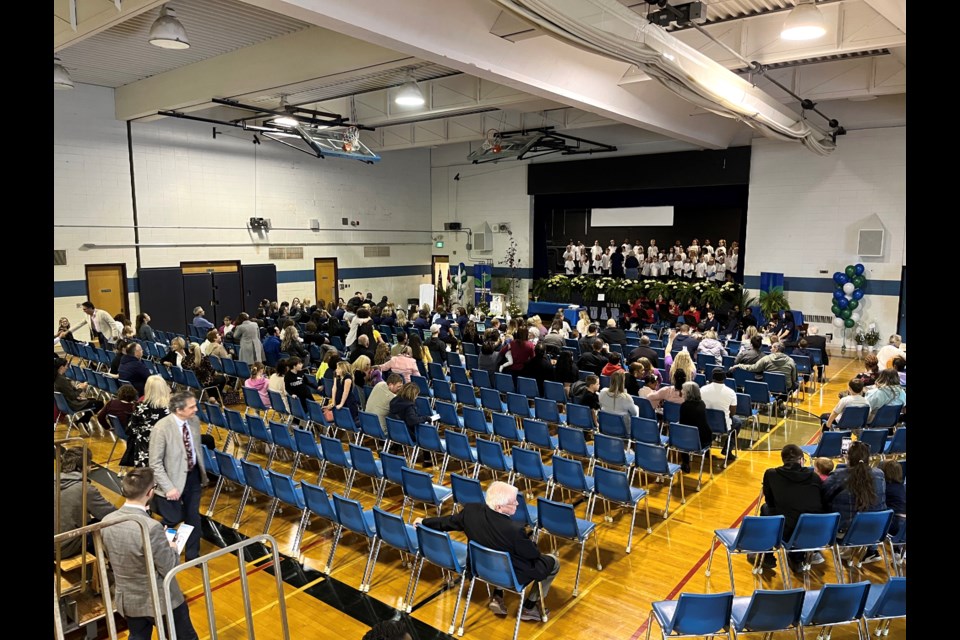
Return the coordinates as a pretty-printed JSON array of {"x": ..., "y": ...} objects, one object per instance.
[
  {"x": 351, "y": 139},
  {"x": 493, "y": 141}
]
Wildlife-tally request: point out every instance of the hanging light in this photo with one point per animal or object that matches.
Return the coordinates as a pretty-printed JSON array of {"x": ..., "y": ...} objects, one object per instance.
[
  {"x": 284, "y": 121},
  {"x": 805, "y": 22},
  {"x": 61, "y": 79},
  {"x": 167, "y": 32},
  {"x": 410, "y": 94}
]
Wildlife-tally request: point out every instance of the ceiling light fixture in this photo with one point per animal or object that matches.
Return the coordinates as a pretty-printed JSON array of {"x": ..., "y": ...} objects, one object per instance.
[
  {"x": 284, "y": 121},
  {"x": 167, "y": 32},
  {"x": 410, "y": 94},
  {"x": 61, "y": 79},
  {"x": 805, "y": 22}
]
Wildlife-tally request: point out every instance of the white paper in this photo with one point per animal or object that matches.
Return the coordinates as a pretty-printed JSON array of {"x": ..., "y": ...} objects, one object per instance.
[{"x": 180, "y": 536}]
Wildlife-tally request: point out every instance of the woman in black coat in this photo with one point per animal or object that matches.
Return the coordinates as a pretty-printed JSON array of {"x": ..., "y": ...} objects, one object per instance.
[
  {"x": 693, "y": 412},
  {"x": 404, "y": 407}
]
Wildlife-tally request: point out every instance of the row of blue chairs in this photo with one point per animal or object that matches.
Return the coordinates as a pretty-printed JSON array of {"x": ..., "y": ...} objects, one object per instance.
[
  {"x": 830, "y": 444},
  {"x": 768, "y": 612}
]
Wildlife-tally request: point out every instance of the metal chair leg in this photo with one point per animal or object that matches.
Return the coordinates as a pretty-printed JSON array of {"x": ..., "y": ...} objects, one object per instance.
[{"x": 466, "y": 607}]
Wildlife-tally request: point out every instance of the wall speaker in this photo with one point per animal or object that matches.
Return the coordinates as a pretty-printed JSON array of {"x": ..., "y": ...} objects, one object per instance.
[
  {"x": 870, "y": 243},
  {"x": 451, "y": 226}
]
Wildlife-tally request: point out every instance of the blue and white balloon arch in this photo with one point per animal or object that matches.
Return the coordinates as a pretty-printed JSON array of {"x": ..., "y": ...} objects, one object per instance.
[{"x": 849, "y": 287}]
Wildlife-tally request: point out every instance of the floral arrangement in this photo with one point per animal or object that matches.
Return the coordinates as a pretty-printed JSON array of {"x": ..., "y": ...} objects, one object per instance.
[
  {"x": 561, "y": 287},
  {"x": 872, "y": 337}
]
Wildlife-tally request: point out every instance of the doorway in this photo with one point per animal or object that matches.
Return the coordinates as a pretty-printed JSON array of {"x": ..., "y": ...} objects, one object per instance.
[
  {"x": 325, "y": 279},
  {"x": 440, "y": 268},
  {"x": 107, "y": 288}
]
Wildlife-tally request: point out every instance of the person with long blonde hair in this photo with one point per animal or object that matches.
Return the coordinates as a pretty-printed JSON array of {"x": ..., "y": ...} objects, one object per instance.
[
  {"x": 343, "y": 395},
  {"x": 683, "y": 361},
  {"x": 147, "y": 412},
  {"x": 614, "y": 399}
]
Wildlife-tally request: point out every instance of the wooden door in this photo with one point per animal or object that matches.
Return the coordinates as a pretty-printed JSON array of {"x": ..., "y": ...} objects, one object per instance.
[
  {"x": 325, "y": 278},
  {"x": 107, "y": 287}
]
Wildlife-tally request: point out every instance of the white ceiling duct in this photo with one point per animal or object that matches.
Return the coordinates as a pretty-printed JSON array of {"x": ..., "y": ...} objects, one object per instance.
[{"x": 610, "y": 29}]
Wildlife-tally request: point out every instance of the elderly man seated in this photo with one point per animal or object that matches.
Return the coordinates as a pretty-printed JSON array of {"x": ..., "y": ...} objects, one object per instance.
[
  {"x": 775, "y": 362},
  {"x": 890, "y": 351}
]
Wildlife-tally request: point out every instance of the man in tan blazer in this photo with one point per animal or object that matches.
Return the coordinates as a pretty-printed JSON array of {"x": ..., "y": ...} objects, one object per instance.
[
  {"x": 177, "y": 463},
  {"x": 124, "y": 546}
]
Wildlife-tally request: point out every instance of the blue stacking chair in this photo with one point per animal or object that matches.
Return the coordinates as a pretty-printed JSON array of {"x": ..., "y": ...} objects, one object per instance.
[
  {"x": 525, "y": 513},
  {"x": 615, "y": 486},
  {"x": 572, "y": 442},
  {"x": 366, "y": 465},
  {"x": 458, "y": 375},
  {"x": 612, "y": 424},
  {"x": 352, "y": 517},
  {"x": 829, "y": 446},
  {"x": 466, "y": 490},
  {"x": 118, "y": 433},
  {"x": 490, "y": 454},
  {"x": 755, "y": 535},
  {"x": 686, "y": 439},
  {"x": 255, "y": 479},
  {"x": 230, "y": 470},
  {"x": 885, "y": 602},
  {"x": 559, "y": 520},
  {"x": 283, "y": 439},
  {"x": 569, "y": 475},
  {"x": 443, "y": 391},
  {"x": 852, "y": 418},
  {"x": 453, "y": 358},
  {"x": 397, "y": 534},
  {"x": 495, "y": 568},
  {"x": 537, "y": 433},
  {"x": 435, "y": 371},
  {"x": 258, "y": 431},
  {"x": 647, "y": 430},
  {"x": 777, "y": 382},
  {"x": 343, "y": 419},
  {"x": 518, "y": 405},
  {"x": 306, "y": 444},
  {"x": 399, "y": 433},
  {"x": 370, "y": 427},
  {"x": 549, "y": 411},
  {"x": 465, "y": 394},
  {"x": 646, "y": 409},
  {"x": 555, "y": 391},
  {"x": 579, "y": 416},
  {"x": 448, "y": 414},
  {"x": 424, "y": 406},
  {"x": 693, "y": 614},
  {"x": 651, "y": 458},
  {"x": 867, "y": 529},
  {"x": 469, "y": 348},
  {"x": 253, "y": 401},
  {"x": 458, "y": 448},
  {"x": 474, "y": 421},
  {"x": 334, "y": 454},
  {"x": 612, "y": 452},
  {"x": 287, "y": 491},
  {"x": 437, "y": 548},
  {"x": 897, "y": 446},
  {"x": 481, "y": 378},
  {"x": 876, "y": 439},
  {"x": 428, "y": 437},
  {"x": 315, "y": 411},
  {"x": 887, "y": 416},
  {"x": 418, "y": 486},
  {"x": 768, "y": 611},
  {"x": 833, "y": 605},
  {"x": 814, "y": 532},
  {"x": 804, "y": 371},
  {"x": 421, "y": 382},
  {"x": 671, "y": 412},
  {"x": 527, "y": 387},
  {"x": 528, "y": 464},
  {"x": 745, "y": 410},
  {"x": 505, "y": 428},
  {"x": 759, "y": 393},
  {"x": 503, "y": 382},
  {"x": 278, "y": 404},
  {"x": 490, "y": 400},
  {"x": 717, "y": 420}
]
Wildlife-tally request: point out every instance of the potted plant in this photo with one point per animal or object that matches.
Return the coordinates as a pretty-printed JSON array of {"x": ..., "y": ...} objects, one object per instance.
[
  {"x": 772, "y": 302},
  {"x": 859, "y": 337},
  {"x": 872, "y": 337}
]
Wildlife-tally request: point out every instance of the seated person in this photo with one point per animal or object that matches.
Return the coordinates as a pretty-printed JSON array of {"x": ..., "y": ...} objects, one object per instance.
[
  {"x": 71, "y": 500},
  {"x": 852, "y": 399}
]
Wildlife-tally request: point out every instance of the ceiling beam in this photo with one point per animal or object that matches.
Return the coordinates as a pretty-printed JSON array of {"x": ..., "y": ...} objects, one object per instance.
[
  {"x": 93, "y": 16},
  {"x": 456, "y": 33},
  {"x": 893, "y": 10}
]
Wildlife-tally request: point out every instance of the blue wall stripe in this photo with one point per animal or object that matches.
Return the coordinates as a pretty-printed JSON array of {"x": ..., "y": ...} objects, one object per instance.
[
  {"x": 824, "y": 284},
  {"x": 78, "y": 288}
]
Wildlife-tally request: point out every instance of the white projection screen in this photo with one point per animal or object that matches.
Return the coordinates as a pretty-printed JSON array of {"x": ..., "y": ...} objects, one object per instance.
[{"x": 632, "y": 217}]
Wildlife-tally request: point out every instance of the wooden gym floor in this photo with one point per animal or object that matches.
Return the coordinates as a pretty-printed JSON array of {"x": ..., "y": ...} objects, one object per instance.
[{"x": 613, "y": 603}]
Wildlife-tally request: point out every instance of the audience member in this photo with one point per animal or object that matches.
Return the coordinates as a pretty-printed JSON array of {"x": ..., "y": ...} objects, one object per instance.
[
  {"x": 790, "y": 490},
  {"x": 72, "y": 463}
]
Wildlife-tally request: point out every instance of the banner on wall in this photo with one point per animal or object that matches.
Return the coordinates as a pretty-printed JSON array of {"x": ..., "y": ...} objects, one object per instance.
[{"x": 482, "y": 279}]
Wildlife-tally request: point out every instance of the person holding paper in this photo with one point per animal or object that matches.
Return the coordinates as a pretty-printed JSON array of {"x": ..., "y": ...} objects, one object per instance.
[{"x": 124, "y": 545}]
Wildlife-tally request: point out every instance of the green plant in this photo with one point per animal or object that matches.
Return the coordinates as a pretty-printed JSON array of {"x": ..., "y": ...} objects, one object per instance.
[
  {"x": 712, "y": 294},
  {"x": 744, "y": 299},
  {"x": 447, "y": 296},
  {"x": 772, "y": 302},
  {"x": 872, "y": 337},
  {"x": 500, "y": 285},
  {"x": 859, "y": 337}
]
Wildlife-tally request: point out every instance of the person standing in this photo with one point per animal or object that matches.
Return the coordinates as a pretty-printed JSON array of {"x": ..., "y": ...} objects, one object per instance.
[
  {"x": 102, "y": 327},
  {"x": 178, "y": 466},
  {"x": 247, "y": 333},
  {"x": 124, "y": 545}
]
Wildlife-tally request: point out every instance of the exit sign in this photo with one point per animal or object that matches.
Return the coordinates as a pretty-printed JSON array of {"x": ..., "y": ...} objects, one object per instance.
[{"x": 439, "y": 244}]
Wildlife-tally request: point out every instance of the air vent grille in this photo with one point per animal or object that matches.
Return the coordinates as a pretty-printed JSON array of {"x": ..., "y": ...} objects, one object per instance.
[
  {"x": 59, "y": 257},
  {"x": 379, "y": 251},
  {"x": 286, "y": 253}
]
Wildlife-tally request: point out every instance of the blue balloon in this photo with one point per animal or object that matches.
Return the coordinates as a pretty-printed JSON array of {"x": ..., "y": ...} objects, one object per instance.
[
  {"x": 838, "y": 295},
  {"x": 857, "y": 294},
  {"x": 842, "y": 303},
  {"x": 859, "y": 269},
  {"x": 838, "y": 277},
  {"x": 844, "y": 279}
]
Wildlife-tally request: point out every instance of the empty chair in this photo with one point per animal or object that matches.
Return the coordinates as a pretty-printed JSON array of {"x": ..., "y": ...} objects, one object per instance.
[
  {"x": 898, "y": 546},
  {"x": 230, "y": 470},
  {"x": 287, "y": 491},
  {"x": 448, "y": 414},
  {"x": 422, "y": 385},
  {"x": 518, "y": 405},
  {"x": 118, "y": 433},
  {"x": 343, "y": 419},
  {"x": 465, "y": 395},
  {"x": 614, "y": 486},
  {"x": 365, "y": 464},
  {"x": 370, "y": 427},
  {"x": 745, "y": 410},
  {"x": 490, "y": 400},
  {"x": 887, "y": 416},
  {"x": 548, "y": 411},
  {"x": 768, "y": 611},
  {"x": 475, "y": 421},
  {"x": 481, "y": 378},
  {"x": 573, "y": 442},
  {"x": 885, "y": 602},
  {"x": 580, "y": 416},
  {"x": 528, "y": 464},
  {"x": 459, "y": 448},
  {"x": 612, "y": 451},
  {"x": 569, "y": 475},
  {"x": 646, "y": 430},
  {"x": 397, "y": 534},
  {"x": 755, "y": 535},
  {"x": 438, "y": 548},
  {"x": 646, "y": 409},
  {"x": 876, "y": 439},
  {"x": 833, "y": 605},
  {"x": 443, "y": 391},
  {"x": 611, "y": 424},
  {"x": 559, "y": 520},
  {"x": 255, "y": 479},
  {"x": 554, "y": 391},
  {"x": 503, "y": 382},
  {"x": 334, "y": 454},
  {"x": 490, "y": 454},
  {"x": 466, "y": 490},
  {"x": 399, "y": 433},
  {"x": 686, "y": 439},
  {"x": 717, "y": 420},
  {"x": 693, "y": 614},
  {"x": 282, "y": 439},
  {"x": 505, "y": 428},
  {"x": 537, "y": 434},
  {"x": 253, "y": 401},
  {"x": 428, "y": 437},
  {"x": 759, "y": 392},
  {"x": 435, "y": 370},
  {"x": 352, "y": 517},
  {"x": 651, "y": 458},
  {"x": 671, "y": 412},
  {"x": 258, "y": 431},
  {"x": 829, "y": 446},
  {"x": 418, "y": 486},
  {"x": 458, "y": 375},
  {"x": 527, "y": 387},
  {"x": 897, "y": 446}
]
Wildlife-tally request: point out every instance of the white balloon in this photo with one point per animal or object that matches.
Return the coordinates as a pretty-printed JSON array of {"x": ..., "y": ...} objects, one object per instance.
[
  {"x": 855, "y": 316},
  {"x": 838, "y": 322},
  {"x": 848, "y": 296},
  {"x": 849, "y": 288}
]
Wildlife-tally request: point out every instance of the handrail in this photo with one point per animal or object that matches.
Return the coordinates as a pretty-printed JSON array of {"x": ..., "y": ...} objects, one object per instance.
[{"x": 59, "y": 445}]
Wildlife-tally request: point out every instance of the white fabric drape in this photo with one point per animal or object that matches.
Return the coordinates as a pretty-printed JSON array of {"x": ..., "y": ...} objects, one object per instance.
[{"x": 621, "y": 34}]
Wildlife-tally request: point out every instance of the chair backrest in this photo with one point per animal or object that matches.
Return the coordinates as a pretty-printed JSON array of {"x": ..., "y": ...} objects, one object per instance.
[
  {"x": 392, "y": 467},
  {"x": 554, "y": 391},
  {"x": 466, "y": 490},
  {"x": 418, "y": 485},
  {"x": 490, "y": 399},
  {"x": 572, "y": 441},
  {"x": 892, "y": 601},
  {"x": 117, "y": 426},
  {"x": 814, "y": 531},
  {"x": 651, "y": 458},
  {"x": 503, "y": 382},
  {"x": 760, "y": 533},
  {"x": 422, "y": 403},
  {"x": 558, "y": 518},
  {"x": 759, "y": 392},
  {"x": 281, "y": 436},
  {"x": 438, "y": 548},
  {"x": 435, "y": 369},
  {"x": 464, "y": 392},
  {"x": 684, "y": 437},
  {"x": 700, "y": 614},
  {"x": 364, "y": 462},
  {"x": 837, "y": 603},
  {"x": 285, "y": 490},
  {"x": 772, "y": 610},
  {"x": 256, "y": 477},
  {"x": 744, "y": 408},
  {"x": 481, "y": 378},
  {"x": 611, "y": 424},
  {"x": 474, "y": 420},
  {"x": 458, "y": 446},
  {"x": 493, "y": 567},
  {"x": 868, "y": 527},
  {"x": 518, "y": 404},
  {"x": 644, "y": 430},
  {"x": 306, "y": 443},
  {"x": 370, "y": 426},
  {"x": 428, "y": 437},
  {"x": 229, "y": 467},
  {"x": 393, "y": 530},
  {"x": 876, "y": 439},
  {"x": 258, "y": 428},
  {"x": 610, "y": 449},
  {"x": 210, "y": 461},
  {"x": 579, "y": 416},
  {"x": 537, "y": 433},
  {"x": 215, "y": 413},
  {"x": 527, "y": 387},
  {"x": 717, "y": 420},
  {"x": 887, "y": 416},
  {"x": 776, "y": 381},
  {"x": 252, "y": 399},
  {"x": 398, "y": 432},
  {"x": 505, "y": 426},
  {"x": 527, "y": 463},
  {"x": 830, "y": 444},
  {"x": 235, "y": 422},
  {"x": 612, "y": 484},
  {"x": 671, "y": 412},
  {"x": 646, "y": 409},
  {"x": 491, "y": 455},
  {"x": 277, "y": 401},
  {"x": 569, "y": 473},
  {"x": 546, "y": 409},
  {"x": 333, "y": 452},
  {"x": 853, "y": 417},
  {"x": 350, "y": 515},
  {"x": 898, "y": 444}
]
